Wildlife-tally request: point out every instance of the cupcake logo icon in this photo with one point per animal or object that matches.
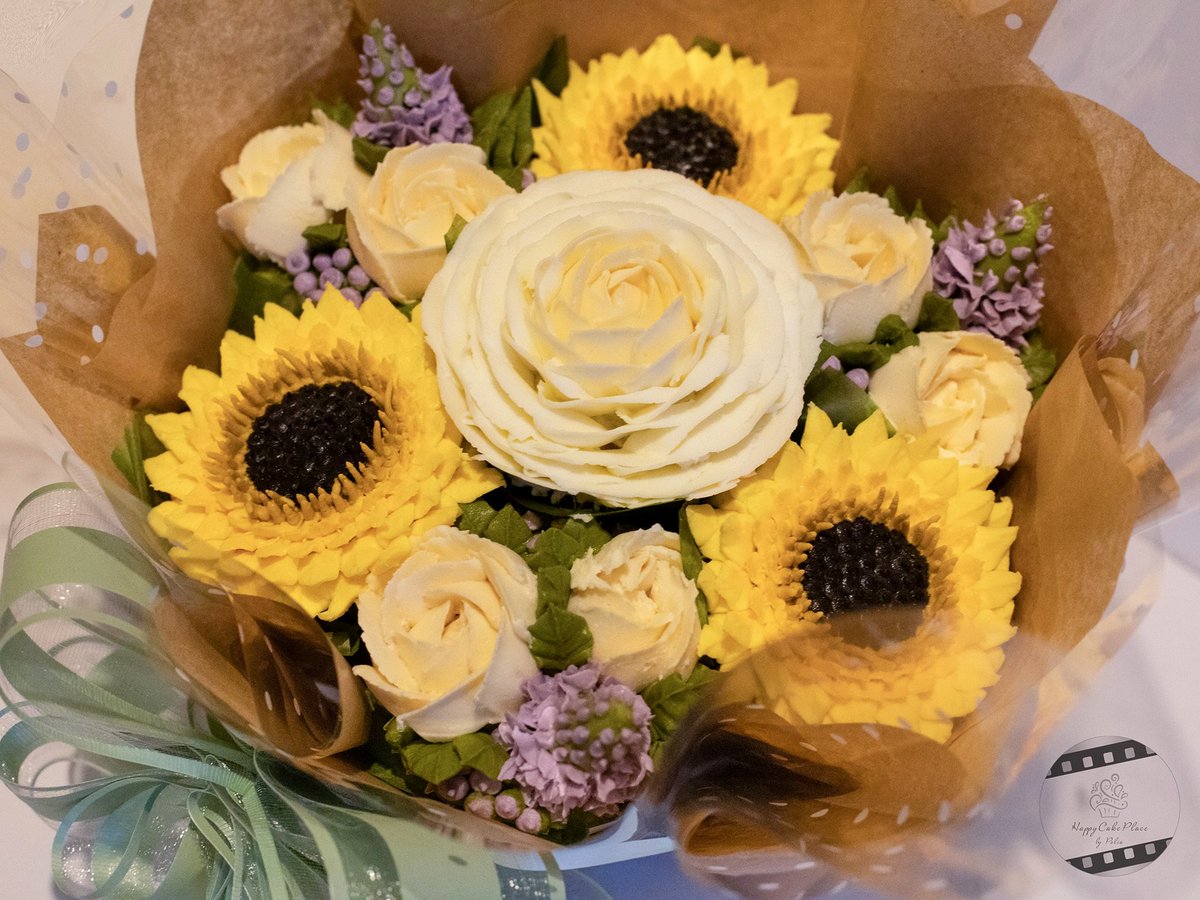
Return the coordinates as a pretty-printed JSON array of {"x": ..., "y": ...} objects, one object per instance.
[
  {"x": 1109, "y": 806},
  {"x": 1109, "y": 797}
]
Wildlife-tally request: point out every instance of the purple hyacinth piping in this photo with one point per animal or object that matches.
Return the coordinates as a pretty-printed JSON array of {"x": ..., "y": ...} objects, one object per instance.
[
  {"x": 311, "y": 274},
  {"x": 405, "y": 105},
  {"x": 581, "y": 741},
  {"x": 992, "y": 273}
]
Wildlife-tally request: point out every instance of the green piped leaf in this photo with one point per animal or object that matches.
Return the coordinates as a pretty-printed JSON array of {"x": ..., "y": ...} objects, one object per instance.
[
  {"x": 338, "y": 110},
  {"x": 892, "y": 332},
  {"x": 397, "y": 737},
  {"x": 487, "y": 117},
  {"x": 554, "y": 587},
  {"x": 344, "y": 633},
  {"x": 891, "y": 336},
  {"x": 138, "y": 444},
  {"x": 692, "y": 561},
  {"x": 345, "y": 642},
  {"x": 859, "y": 183},
  {"x": 522, "y": 150},
  {"x": 555, "y": 547},
  {"x": 435, "y": 761},
  {"x": 509, "y": 529},
  {"x": 513, "y": 176},
  {"x": 475, "y": 516},
  {"x": 504, "y": 131},
  {"x": 560, "y": 639},
  {"x": 589, "y": 534},
  {"x": 669, "y": 700},
  {"x": 501, "y": 153},
  {"x": 554, "y": 70},
  {"x": 937, "y": 314},
  {"x": 368, "y": 154},
  {"x": 689, "y": 550},
  {"x": 839, "y": 397},
  {"x": 328, "y": 236},
  {"x": 255, "y": 284},
  {"x": 553, "y": 554},
  {"x": 939, "y": 230},
  {"x": 561, "y": 546},
  {"x": 390, "y": 776},
  {"x": 454, "y": 231},
  {"x": 481, "y": 752},
  {"x": 504, "y": 526},
  {"x": 1039, "y": 361},
  {"x": 579, "y": 823},
  {"x": 713, "y": 47},
  {"x": 892, "y": 196},
  {"x": 432, "y": 762}
]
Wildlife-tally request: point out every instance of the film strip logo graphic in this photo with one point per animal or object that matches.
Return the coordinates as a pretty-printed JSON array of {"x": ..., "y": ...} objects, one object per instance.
[
  {"x": 1097, "y": 757},
  {"x": 1109, "y": 806},
  {"x": 1120, "y": 858}
]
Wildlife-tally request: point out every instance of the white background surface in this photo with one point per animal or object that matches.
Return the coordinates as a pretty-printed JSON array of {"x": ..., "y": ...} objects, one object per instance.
[{"x": 1121, "y": 54}]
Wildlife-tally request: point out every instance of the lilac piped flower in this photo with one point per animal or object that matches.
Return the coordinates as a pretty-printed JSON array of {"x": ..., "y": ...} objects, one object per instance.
[
  {"x": 311, "y": 275},
  {"x": 405, "y": 105},
  {"x": 452, "y": 790},
  {"x": 480, "y": 804},
  {"x": 482, "y": 784},
  {"x": 990, "y": 273},
  {"x": 581, "y": 741}
]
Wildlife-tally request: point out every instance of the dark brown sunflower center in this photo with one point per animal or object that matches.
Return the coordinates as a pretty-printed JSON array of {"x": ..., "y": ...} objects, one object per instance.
[
  {"x": 302, "y": 443},
  {"x": 684, "y": 140},
  {"x": 859, "y": 564}
]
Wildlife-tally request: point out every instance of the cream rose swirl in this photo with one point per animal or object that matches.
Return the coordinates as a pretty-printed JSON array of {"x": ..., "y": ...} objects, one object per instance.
[
  {"x": 639, "y": 605},
  {"x": 448, "y": 635},
  {"x": 397, "y": 220},
  {"x": 286, "y": 179},
  {"x": 970, "y": 389},
  {"x": 866, "y": 261},
  {"x": 624, "y": 335}
]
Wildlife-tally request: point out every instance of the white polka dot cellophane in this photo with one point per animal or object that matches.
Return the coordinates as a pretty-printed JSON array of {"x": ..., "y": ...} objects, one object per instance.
[{"x": 67, "y": 136}]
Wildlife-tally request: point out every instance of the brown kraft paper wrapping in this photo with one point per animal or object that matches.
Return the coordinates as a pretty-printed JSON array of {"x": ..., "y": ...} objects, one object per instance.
[{"x": 937, "y": 98}]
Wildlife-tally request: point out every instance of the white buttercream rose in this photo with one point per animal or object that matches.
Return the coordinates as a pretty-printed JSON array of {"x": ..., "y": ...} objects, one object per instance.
[
  {"x": 624, "y": 335},
  {"x": 639, "y": 606},
  {"x": 449, "y": 635},
  {"x": 968, "y": 388},
  {"x": 398, "y": 222},
  {"x": 285, "y": 180},
  {"x": 866, "y": 261}
]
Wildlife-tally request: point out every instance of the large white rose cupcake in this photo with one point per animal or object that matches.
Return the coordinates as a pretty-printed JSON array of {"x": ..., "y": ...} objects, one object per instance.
[{"x": 623, "y": 335}]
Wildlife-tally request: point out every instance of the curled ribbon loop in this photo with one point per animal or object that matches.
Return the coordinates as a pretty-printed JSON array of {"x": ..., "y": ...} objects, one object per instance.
[{"x": 160, "y": 799}]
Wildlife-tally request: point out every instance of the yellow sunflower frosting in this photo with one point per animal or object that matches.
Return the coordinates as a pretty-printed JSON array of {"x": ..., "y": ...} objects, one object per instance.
[
  {"x": 772, "y": 542},
  {"x": 712, "y": 118},
  {"x": 316, "y": 456}
]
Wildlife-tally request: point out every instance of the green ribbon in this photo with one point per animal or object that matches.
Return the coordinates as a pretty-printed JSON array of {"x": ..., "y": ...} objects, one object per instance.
[{"x": 164, "y": 801}]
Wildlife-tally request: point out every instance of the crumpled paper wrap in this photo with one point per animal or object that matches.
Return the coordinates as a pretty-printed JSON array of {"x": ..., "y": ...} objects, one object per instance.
[{"x": 937, "y": 98}]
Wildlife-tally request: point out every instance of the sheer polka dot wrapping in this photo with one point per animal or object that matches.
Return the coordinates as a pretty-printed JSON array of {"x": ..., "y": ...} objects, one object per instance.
[{"x": 67, "y": 131}]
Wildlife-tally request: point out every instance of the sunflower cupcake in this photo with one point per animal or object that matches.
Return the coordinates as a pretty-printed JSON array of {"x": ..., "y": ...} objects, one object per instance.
[
  {"x": 714, "y": 119},
  {"x": 860, "y": 529},
  {"x": 316, "y": 456}
]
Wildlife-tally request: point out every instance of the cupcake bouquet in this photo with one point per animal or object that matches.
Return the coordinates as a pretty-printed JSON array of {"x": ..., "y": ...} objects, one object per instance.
[{"x": 540, "y": 415}]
